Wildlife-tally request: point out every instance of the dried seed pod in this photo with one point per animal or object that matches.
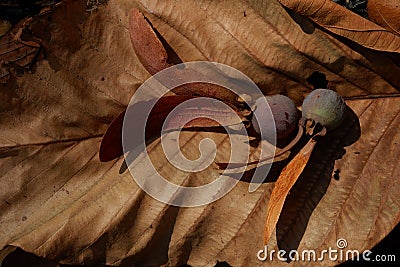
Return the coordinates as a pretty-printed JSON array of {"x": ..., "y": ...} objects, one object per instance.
[
  {"x": 285, "y": 115},
  {"x": 324, "y": 106}
]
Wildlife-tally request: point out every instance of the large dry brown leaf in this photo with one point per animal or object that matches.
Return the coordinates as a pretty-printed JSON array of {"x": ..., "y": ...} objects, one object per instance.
[
  {"x": 59, "y": 201},
  {"x": 344, "y": 22}
]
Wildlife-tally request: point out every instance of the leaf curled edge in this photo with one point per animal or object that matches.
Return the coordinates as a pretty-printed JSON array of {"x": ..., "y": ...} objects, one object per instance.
[{"x": 344, "y": 22}]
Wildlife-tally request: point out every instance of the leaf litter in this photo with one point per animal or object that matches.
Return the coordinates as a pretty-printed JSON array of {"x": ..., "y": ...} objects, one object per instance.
[{"x": 107, "y": 218}]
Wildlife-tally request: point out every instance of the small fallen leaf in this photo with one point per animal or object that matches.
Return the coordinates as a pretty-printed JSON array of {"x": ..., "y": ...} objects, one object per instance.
[
  {"x": 154, "y": 57},
  {"x": 285, "y": 182},
  {"x": 111, "y": 144},
  {"x": 146, "y": 44}
]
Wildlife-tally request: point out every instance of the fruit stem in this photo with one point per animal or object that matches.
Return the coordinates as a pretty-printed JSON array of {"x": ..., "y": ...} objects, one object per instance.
[
  {"x": 289, "y": 146},
  {"x": 306, "y": 126}
]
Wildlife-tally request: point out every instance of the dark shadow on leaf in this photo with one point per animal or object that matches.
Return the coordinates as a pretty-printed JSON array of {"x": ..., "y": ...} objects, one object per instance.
[
  {"x": 314, "y": 181},
  {"x": 305, "y": 23},
  {"x": 318, "y": 80},
  {"x": 385, "y": 64},
  {"x": 222, "y": 264},
  {"x": 339, "y": 64},
  {"x": 123, "y": 167},
  {"x": 155, "y": 253},
  {"x": 8, "y": 152},
  {"x": 173, "y": 57},
  {"x": 100, "y": 247}
]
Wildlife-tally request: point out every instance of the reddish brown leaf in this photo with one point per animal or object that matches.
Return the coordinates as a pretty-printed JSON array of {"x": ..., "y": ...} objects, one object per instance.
[
  {"x": 154, "y": 57},
  {"x": 148, "y": 47},
  {"x": 111, "y": 144}
]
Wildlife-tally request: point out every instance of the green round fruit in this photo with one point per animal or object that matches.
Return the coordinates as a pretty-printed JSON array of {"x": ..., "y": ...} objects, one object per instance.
[
  {"x": 324, "y": 106},
  {"x": 284, "y": 115}
]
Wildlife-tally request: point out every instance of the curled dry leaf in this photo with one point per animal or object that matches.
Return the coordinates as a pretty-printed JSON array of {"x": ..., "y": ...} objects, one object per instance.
[
  {"x": 288, "y": 147},
  {"x": 111, "y": 144},
  {"x": 385, "y": 13},
  {"x": 285, "y": 182},
  {"x": 343, "y": 22},
  {"x": 148, "y": 47}
]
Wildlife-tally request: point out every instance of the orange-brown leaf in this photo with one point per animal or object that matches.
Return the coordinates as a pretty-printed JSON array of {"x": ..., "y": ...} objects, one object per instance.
[
  {"x": 111, "y": 144},
  {"x": 146, "y": 44},
  {"x": 285, "y": 182}
]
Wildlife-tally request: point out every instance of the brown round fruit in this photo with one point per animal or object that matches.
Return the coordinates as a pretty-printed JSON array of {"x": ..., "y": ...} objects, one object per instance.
[{"x": 285, "y": 116}]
